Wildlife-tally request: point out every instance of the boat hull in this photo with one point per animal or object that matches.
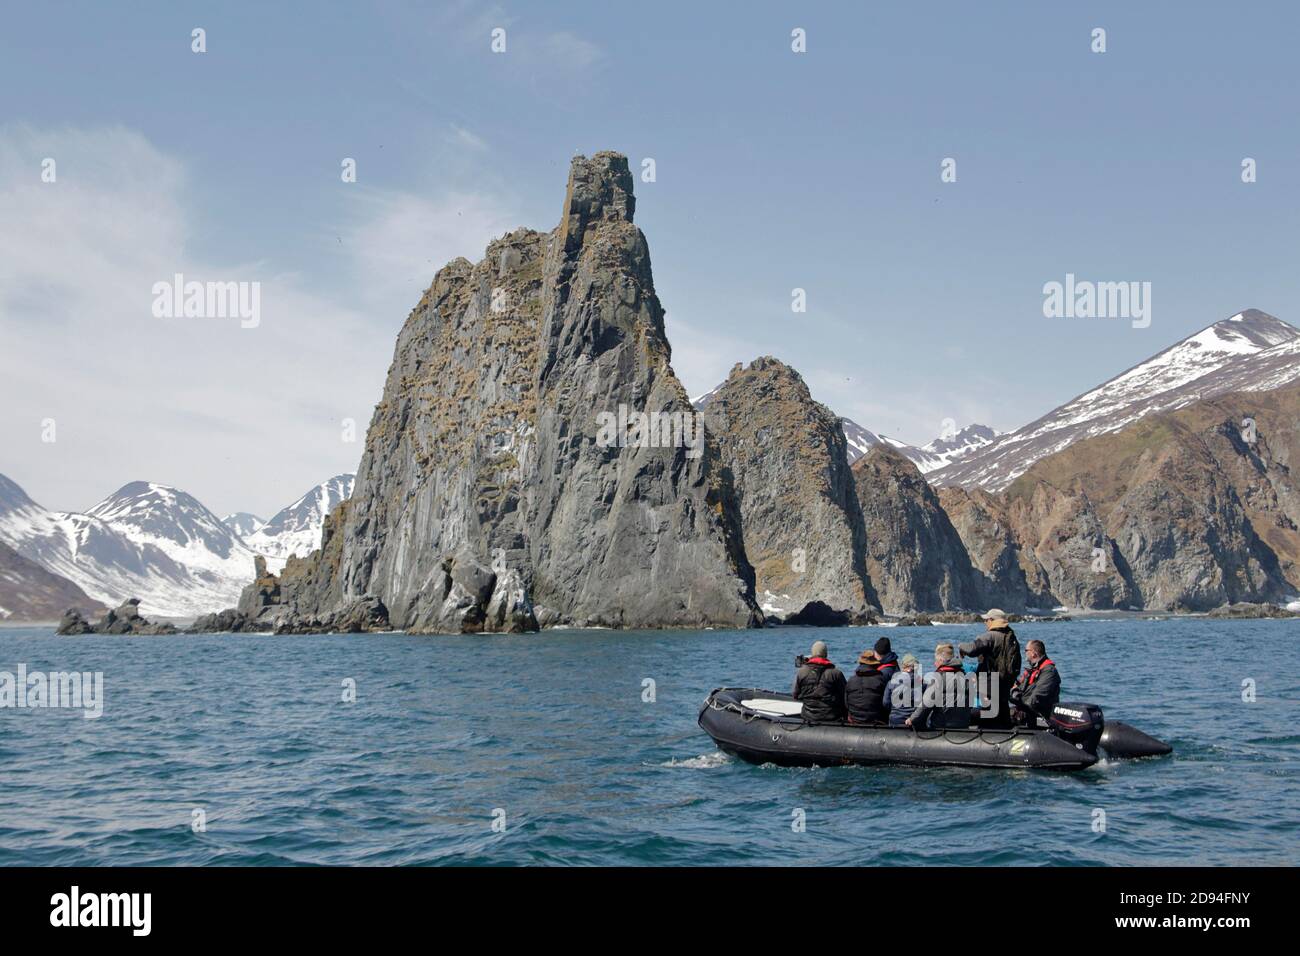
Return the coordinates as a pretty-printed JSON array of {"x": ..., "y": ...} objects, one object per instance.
[{"x": 787, "y": 741}]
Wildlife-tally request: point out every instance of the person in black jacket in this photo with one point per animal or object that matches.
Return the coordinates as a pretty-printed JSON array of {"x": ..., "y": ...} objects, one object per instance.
[
  {"x": 819, "y": 686},
  {"x": 864, "y": 694},
  {"x": 888, "y": 659},
  {"x": 998, "y": 651},
  {"x": 1039, "y": 687},
  {"x": 945, "y": 702}
]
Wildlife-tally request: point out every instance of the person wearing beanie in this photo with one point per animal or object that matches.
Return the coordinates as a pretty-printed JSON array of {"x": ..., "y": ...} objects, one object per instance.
[
  {"x": 864, "y": 694},
  {"x": 819, "y": 686},
  {"x": 998, "y": 651},
  {"x": 888, "y": 659}
]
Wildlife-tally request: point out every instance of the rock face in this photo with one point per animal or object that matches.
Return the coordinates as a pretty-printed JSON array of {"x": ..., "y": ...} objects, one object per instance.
[
  {"x": 1183, "y": 511},
  {"x": 799, "y": 513},
  {"x": 1251, "y": 611},
  {"x": 509, "y": 479},
  {"x": 123, "y": 620},
  {"x": 981, "y": 521},
  {"x": 28, "y": 592},
  {"x": 263, "y": 608},
  {"x": 914, "y": 556}
]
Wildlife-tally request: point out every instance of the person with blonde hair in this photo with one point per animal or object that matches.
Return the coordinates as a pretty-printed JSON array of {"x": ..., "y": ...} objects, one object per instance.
[{"x": 944, "y": 703}]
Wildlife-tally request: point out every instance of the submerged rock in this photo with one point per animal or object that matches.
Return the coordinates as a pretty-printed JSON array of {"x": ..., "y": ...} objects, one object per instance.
[
  {"x": 1251, "y": 611},
  {"x": 74, "y": 623},
  {"x": 125, "y": 619}
]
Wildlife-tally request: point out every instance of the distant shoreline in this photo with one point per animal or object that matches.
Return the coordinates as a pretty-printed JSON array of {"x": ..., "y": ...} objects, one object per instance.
[{"x": 1059, "y": 617}]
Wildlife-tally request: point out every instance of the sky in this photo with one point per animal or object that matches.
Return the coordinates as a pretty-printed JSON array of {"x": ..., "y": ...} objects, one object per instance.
[{"x": 774, "y": 170}]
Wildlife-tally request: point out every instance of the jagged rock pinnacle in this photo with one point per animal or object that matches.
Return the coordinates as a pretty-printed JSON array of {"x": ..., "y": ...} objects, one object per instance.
[{"x": 599, "y": 189}]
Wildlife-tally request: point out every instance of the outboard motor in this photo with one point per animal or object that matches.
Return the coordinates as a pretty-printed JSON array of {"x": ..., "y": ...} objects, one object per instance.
[{"x": 1078, "y": 724}]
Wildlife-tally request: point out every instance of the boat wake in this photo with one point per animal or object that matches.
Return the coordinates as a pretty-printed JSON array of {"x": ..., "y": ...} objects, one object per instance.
[{"x": 703, "y": 762}]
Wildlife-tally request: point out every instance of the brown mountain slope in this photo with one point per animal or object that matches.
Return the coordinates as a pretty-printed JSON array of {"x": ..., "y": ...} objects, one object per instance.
[
  {"x": 30, "y": 593},
  {"x": 1187, "y": 510}
]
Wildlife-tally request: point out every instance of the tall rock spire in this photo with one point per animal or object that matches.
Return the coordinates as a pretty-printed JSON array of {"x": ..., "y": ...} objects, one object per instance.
[{"x": 494, "y": 493}]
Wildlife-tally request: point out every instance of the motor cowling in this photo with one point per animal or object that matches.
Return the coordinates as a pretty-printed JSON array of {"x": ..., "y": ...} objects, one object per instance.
[{"x": 1078, "y": 724}]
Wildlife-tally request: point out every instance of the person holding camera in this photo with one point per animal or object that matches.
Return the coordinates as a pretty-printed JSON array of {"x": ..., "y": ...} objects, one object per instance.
[{"x": 819, "y": 686}]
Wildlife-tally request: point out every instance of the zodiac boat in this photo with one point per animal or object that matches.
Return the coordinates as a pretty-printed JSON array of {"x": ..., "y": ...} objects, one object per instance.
[{"x": 763, "y": 726}]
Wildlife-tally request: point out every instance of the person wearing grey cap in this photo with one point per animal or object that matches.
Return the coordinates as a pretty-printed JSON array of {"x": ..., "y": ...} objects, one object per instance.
[
  {"x": 998, "y": 651},
  {"x": 819, "y": 686}
]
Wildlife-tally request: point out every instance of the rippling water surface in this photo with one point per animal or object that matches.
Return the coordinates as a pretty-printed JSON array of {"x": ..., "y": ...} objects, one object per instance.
[{"x": 552, "y": 730}]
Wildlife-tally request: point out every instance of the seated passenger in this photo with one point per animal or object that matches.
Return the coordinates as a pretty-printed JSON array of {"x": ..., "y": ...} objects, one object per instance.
[
  {"x": 864, "y": 695},
  {"x": 888, "y": 659},
  {"x": 945, "y": 703},
  {"x": 900, "y": 693},
  {"x": 1039, "y": 687},
  {"x": 819, "y": 686}
]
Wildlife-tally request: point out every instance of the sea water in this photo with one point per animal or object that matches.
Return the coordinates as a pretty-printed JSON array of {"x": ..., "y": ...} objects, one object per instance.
[{"x": 581, "y": 747}]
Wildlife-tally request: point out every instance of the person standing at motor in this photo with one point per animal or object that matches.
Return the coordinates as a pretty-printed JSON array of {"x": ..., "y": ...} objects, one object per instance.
[{"x": 998, "y": 652}]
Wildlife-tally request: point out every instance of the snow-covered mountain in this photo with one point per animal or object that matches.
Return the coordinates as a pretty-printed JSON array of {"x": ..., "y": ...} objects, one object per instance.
[
  {"x": 242, "y": 523},
  {"x": 936, "y": 454},
  {"x": 1250, "y": 351},
  {"x": 146, "y": 540},
  {"x": 297, "y": 528}
]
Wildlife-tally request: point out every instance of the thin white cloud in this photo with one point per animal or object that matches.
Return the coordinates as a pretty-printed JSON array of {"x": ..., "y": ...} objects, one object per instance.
[
  {"x": 398, "y": 241},
  {"x": 538, "y": 52},
  {"x": 244, "y": 418},
  {"x": 459, "y": 136},
  {"x": 568, "y": 50},
  {"x": 702, "y": 359}
]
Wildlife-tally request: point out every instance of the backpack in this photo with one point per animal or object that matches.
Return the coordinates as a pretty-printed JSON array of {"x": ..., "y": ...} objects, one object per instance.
[{"x": 1006, "y": 659}]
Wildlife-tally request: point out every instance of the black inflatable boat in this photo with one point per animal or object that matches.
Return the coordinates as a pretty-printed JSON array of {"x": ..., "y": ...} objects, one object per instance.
[{"x": 763, "y": 726}]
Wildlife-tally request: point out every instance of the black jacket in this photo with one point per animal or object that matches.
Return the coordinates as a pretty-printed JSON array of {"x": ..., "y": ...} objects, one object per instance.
[
  {"x": 864, "y": 695},
  {"x": 1039, "y": 688},
  {"x": 889, "y": 665},
  {"x": 945, "y": 712},
  {"x": 819, "y": 685},
  {"x": 998, "y": 651}
]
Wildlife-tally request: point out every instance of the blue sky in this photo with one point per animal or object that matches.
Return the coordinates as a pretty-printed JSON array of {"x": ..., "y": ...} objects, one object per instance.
[{"x": 775, "y": 170}]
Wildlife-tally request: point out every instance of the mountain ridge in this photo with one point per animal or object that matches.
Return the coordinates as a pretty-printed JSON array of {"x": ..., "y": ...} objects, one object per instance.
[{"x": 1229, "y": 355}]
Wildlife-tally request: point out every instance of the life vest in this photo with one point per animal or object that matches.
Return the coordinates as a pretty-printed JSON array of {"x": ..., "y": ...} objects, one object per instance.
[{"x": 1033, "y": 675}]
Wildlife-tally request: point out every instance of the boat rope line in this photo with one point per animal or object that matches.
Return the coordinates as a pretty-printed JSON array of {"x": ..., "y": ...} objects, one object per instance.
[{"x": 749, "y": 716}]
